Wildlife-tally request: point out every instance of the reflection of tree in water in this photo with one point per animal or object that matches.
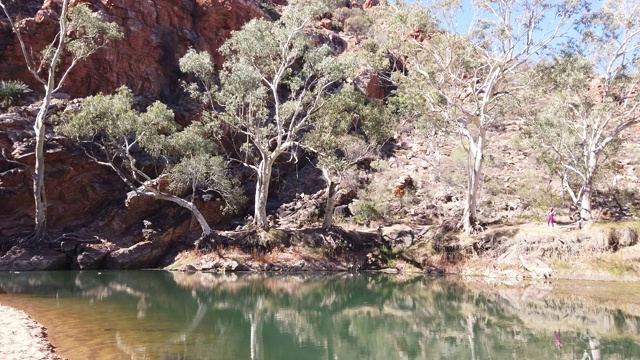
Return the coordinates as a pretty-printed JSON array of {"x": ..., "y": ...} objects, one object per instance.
[{"x": 311, "y": 316}]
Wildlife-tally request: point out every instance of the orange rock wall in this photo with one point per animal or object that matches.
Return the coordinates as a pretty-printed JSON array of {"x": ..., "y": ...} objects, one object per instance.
[{"x": 156, "y": 34}]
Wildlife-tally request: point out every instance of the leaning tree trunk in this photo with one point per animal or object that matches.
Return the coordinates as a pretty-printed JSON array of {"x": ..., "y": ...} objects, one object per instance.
[
  {"x": 206, "y": 229},
  {"x": 149, "y": 190},
  {"x": 475, "y": 171},
  {"x": 262, "y": 192}
]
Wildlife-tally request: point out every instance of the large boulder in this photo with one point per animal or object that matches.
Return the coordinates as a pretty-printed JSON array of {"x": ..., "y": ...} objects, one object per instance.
[
  {"x": 626, "y": 237},
  {"x": 370, "y": 83},
  {"x": 33, "y": 259},
  {"x": 90, "y": 257},
  {"x": 155, "y": 243},
  {"x": 399, "y": 235}
]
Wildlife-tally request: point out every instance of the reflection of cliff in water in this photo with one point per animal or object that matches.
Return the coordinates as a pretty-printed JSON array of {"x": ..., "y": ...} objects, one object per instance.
[{"x": 349, "y": 316}]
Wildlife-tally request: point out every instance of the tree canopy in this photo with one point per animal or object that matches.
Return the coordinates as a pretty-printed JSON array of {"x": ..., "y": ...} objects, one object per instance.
[
  {"x": 273, "y": 81},
  {"x": 113, "y": 132}
]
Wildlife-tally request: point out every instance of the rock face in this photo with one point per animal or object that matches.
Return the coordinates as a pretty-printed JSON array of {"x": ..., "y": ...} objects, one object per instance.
[
  {"x": 86, "y": 201},
  {"x": 40, "y": 259},
  {"x": 156, "y": 34},
  {"x": 369, "y": 83},
  {"x": 74, "y": 187},
  {"x": 92, "y": 224}
]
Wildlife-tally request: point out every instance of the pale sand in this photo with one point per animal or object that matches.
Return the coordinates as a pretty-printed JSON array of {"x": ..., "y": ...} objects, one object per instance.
[{"x": 22, "y": 338}]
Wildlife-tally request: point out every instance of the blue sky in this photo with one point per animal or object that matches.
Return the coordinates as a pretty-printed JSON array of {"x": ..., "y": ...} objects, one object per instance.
[{"x": 465, "y": 17}]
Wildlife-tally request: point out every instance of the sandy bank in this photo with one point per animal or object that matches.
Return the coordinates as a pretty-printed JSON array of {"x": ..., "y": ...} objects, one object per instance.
[{"x": 22, "y": 338}]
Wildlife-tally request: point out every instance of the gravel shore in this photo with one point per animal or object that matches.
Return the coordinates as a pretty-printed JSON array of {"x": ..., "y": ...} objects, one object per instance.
[{"x": 22, "y": 338}]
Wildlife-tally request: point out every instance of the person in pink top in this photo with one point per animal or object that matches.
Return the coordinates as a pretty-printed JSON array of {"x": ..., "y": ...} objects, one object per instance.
[
  {"x": 558, "y": 342},
  {"x": 550, "y": 217}
]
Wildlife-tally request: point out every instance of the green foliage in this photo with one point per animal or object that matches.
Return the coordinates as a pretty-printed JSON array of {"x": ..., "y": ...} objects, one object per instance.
[
  {"x": 12, "y": 91},
  {"x": 373, "y": 56},
  {"x": 199, "y": 65},
  {"x": 273, "y": 82},
  {"x": 86, "y": 33},
  {"x": 341, "y": 14},
  {"x": 250, "y": 73},
  {"x": 578, "y": 129},
  {"x": 379, "y": 165},
  {"x": 348, "y": 128},
  {"x": 358, "y": 24},
  {"x": 364, "y": 211},
  {"x": 261, "y": 58},
  {"x": 112, "y": 117},
  {"x": 208, "y": 171},
  {"x": 195, "y": 139},
  {"x": 116, "y": 127},
  {"x": 565, "y": 73},
  {"x": 612, "y": 30},
  {"x": 89, "y": 31}
]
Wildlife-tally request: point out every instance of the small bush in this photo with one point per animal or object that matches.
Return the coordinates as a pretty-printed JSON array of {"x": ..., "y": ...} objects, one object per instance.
[
  {"x": 11, "y": 91},
  {"x": 364, "y": 211},
  {"x": 343, "y": 13},
  {"x": 379, "y": 165},
  {"x": 358, "y": 25}
]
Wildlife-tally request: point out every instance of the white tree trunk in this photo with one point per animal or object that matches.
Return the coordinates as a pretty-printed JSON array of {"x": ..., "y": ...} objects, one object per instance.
[
  {"x": 475, "y": 171},
  {"x": 255, "y": 336},
  {"x": 585, "y": 203},
  {"x": 332, "y": 187},
  {"x": 39, "y": 128},
  {"x": 262, "y": 192},
  {"x": 473, "y": 341},
  {"x": 38, "y": 175},
  {"x": 148, "y": 191}
]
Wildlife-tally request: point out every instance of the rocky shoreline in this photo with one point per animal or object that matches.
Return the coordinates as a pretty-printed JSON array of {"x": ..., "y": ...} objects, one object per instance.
[{"x": 22, "y": 338}]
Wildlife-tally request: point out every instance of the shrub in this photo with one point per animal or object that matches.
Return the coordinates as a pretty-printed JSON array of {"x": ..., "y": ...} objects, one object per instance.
[
  {"x": 11, "y": 91},
  {"x": 358, "y": 25},
  {"x": 342, "y": 14},
  {"x": 364, "y": 211}
]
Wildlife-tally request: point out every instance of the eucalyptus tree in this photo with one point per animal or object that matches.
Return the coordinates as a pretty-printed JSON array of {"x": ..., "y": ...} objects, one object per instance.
[
  {"x": 273, "y": 81},
  {"x": 112, "y": 131},
  {"x": 81, "y": 33},
  {"x": 347, "y": 130},
  {"x": 469, "y": 78},
  {"x": 591, "y": 97}
]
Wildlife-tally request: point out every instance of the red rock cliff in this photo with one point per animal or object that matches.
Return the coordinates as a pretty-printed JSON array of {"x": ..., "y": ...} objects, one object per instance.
[{"x": 156, "y": 34}]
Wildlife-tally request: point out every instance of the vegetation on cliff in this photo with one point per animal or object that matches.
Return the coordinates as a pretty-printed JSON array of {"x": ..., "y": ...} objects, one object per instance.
[
  {"x": 408, "y": 117},
  {"x": 81, "y": 34}
]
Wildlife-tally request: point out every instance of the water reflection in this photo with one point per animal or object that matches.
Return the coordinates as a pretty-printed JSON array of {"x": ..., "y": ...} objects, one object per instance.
[{"x": 162, "y": 315}]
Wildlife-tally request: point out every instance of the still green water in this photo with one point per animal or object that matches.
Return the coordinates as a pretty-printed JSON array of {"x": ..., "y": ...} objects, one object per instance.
[{"x": 163, "y": 315}]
